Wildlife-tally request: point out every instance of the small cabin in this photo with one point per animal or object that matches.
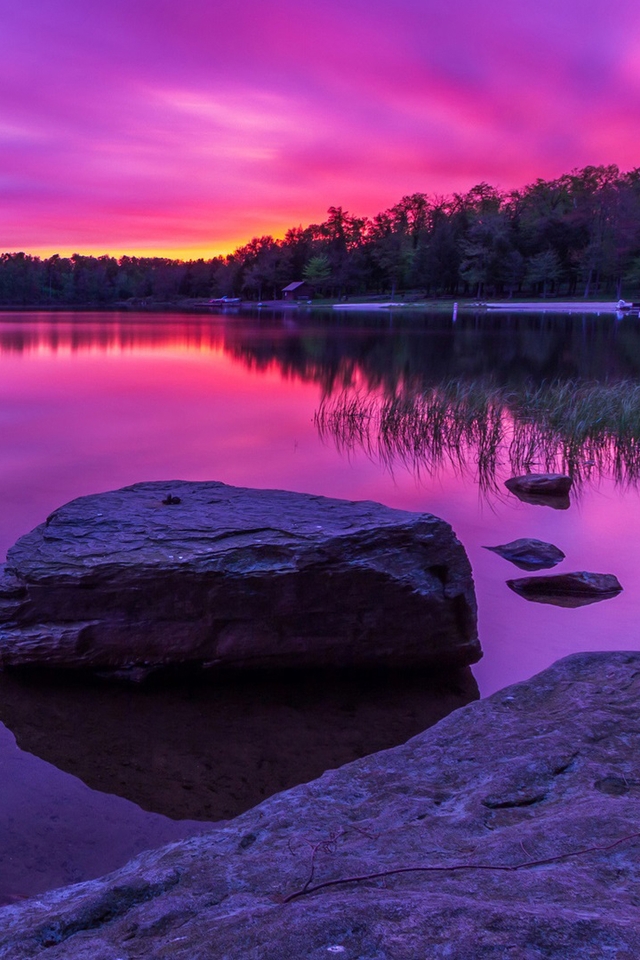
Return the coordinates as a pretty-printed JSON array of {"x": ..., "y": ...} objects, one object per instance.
[{"x": 300, "y": 290}]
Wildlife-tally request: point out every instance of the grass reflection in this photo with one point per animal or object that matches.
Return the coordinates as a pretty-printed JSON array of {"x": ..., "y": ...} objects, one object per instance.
[{"x": 588, "y": 430}]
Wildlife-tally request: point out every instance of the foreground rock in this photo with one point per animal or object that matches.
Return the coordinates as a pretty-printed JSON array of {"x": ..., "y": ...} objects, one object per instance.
[
  {"x": 542, "y": 489},
  {"x": 511, "y": 829},
  {"x": 529, "y": 554},
  {"x": 568, "y": 589},
  {"x": 204, "y": 573}
]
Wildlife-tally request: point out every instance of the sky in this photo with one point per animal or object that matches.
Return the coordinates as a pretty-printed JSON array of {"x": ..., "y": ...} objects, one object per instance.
[{"x": 183, "y": 129}]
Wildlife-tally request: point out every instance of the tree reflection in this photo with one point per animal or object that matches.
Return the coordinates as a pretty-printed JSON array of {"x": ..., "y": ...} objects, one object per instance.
[{"x": 587, "y": 430}]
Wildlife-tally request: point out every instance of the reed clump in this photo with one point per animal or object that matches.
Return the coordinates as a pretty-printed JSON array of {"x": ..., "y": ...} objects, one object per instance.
[{"x": 585, "y": 429}]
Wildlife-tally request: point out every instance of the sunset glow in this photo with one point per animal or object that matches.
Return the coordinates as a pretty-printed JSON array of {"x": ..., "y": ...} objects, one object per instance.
[{"x": 147, "y": 128}]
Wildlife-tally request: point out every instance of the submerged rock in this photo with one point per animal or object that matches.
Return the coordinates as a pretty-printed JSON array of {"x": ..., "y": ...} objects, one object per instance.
[
  {"x": 542, "y": 489},
  {"x": 510, "y": 829},
  {"x": 568, "y": 589},
  {"x": 529, "y": 554},
  {"x": 220, "y": 576}
]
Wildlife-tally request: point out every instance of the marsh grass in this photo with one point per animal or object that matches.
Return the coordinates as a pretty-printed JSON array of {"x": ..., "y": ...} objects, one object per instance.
[{"x": 589, "y": 430}]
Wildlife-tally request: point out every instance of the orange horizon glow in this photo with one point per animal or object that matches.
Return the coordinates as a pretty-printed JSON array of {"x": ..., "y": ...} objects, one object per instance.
[
  {"x": 170, "y": 253},
  {"x": 224, "y": 246}
]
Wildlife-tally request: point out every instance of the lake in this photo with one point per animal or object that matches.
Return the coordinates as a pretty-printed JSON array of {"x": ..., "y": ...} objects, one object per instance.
[{"x": 95, "y": 401}]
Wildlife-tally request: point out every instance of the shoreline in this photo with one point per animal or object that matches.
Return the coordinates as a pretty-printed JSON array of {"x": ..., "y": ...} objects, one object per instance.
[
  {"x": 439, "y": 306},
  {"x": 564, "y": 306}
]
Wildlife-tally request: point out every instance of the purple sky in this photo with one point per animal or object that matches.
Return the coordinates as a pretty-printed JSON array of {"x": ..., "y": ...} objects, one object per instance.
[{"x": 185, "y": 128}]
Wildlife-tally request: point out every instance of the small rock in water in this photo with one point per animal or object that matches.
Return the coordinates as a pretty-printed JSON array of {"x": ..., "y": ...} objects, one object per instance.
[
  {"x": 542, "y": 489},
  {"x": 551, "y": 484},
  {"x": 567, "y": 589},
  {"x": 529, "y": 554}
]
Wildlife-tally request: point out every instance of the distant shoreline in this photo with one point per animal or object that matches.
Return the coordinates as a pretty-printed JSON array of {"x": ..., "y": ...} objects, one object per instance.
[
  {"x": 566, "y": 306},
  {"x": 199, "y": 306}
]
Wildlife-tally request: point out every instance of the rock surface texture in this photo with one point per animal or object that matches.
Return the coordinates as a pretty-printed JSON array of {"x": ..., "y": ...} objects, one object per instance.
[
  {"x": 220, "y": 576},
  {"x": 511, "y": 829},
  {"x": 529, "y": 554},
  {"x": 568, "y": 589}
]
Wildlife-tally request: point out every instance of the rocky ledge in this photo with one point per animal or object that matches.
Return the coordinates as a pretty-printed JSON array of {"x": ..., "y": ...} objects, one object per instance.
[
  {"x": 220, "y": 576},
  {"x": 511, "y": 829}
]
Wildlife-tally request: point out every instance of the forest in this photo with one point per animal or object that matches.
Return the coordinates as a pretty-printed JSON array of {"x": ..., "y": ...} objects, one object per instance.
[{"x": 576, "y": 236}]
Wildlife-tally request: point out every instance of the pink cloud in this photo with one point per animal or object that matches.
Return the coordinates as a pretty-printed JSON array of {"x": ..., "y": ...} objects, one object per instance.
[{"x": 139, "y": 126}]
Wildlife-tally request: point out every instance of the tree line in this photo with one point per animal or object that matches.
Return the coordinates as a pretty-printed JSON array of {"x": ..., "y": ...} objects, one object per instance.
[{"x": 577, "y": 235}]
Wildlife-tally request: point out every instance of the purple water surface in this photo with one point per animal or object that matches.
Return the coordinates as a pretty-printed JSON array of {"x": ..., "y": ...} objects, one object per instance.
[{"x": 91, "y": 402}]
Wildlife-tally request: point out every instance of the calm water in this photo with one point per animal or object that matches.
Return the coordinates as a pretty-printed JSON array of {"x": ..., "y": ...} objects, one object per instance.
[{"x": 91, "y": 402}]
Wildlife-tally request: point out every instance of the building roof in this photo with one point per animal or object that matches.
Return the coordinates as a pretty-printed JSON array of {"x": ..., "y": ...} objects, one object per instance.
[{"x": 294, "y": 286}]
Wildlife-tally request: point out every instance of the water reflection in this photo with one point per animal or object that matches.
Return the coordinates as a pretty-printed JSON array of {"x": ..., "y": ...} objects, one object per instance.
[
  {"x": 55, "y": 830},
  {"x": 586, "y": 430},
  {"x": 334, "y": 351},
  {"x": 208, "y": 750},
  {"x": 93, "y": 402},
  {"x": 425, "y": 393},
  {"x": 559, "y": 501}
]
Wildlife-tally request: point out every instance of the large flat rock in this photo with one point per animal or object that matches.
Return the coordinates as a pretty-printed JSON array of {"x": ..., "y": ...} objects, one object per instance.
[
  {"x": 220, "y": 576},
  {"x": 511, "y": 829}
]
